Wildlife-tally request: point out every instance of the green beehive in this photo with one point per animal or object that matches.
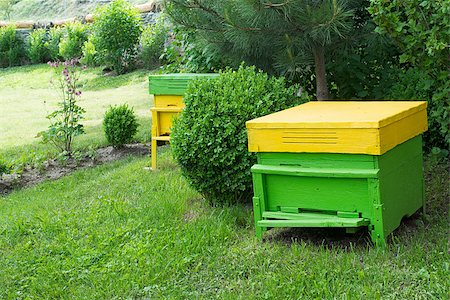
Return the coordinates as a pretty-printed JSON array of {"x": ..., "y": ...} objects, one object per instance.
[{"x": 339, "y": 164}]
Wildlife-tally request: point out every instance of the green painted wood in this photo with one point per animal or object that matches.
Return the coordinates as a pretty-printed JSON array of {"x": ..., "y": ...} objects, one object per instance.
[
  {"x": 289, "y": 209},
  {"x": 173, "y": 84},
  {"x": 315, "y": 172},
  {"x": 377, "y": 232},
  {"x": 381, "y": 189},
  {"x": 318, "y": 160},
  {"x": 258, "y": 202},
  {"x": 301, "y": 215},
  {"x": 316, "y": 193},
  {"x": 346, "y": 214},
  {"x": 401, "y": 183},
  {"x": 315, "y": 222}
]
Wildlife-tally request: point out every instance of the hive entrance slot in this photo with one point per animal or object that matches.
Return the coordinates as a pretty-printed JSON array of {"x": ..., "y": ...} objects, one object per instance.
[{"x": 302, "y": 136}]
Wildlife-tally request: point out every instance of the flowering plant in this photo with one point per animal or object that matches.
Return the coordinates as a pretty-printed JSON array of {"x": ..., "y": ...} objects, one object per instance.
[{"x": 65, "y": 120}]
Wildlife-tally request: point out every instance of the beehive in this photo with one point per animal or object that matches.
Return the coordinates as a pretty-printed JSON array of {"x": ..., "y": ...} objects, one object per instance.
[
  {"x": 168, "y": 91},
  {"x": 339, "y": 164}
]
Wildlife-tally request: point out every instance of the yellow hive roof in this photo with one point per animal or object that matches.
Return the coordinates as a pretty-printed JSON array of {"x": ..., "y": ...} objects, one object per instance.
[
  {"x": 364, "y": 127},
  {"x": 340, "y": 114}
]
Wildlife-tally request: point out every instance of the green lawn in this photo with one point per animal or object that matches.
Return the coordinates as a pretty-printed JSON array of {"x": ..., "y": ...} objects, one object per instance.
[
  {"x": 119, "y": 231},
  {"x": 26, "y": 97}
]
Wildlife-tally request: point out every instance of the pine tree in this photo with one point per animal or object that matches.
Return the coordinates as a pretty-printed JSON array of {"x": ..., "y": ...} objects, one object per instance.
[{"x": 285, "y": 35}]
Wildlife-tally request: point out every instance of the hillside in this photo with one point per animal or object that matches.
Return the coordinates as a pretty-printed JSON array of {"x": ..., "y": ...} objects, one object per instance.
[{"x": 48, "y": 10}]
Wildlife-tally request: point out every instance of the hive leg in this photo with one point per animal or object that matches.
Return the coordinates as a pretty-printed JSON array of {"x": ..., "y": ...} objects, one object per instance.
[
  {"x": 377, "y": 235},
  {"x": 258, "y": 216},
  {"x": 154, "y": 145}
]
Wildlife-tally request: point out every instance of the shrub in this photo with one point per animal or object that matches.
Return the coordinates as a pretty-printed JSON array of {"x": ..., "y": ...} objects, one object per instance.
[
  {"x": 37, "y": 46},
  {"x": 120, "y": 125},
  {"x": 55, "y": 35},
  {"x": 89, "y": 53},
  {"x": 209, "y": 139},
  {"x": 153, "y": 39},
  {"x": 72, "y": 42},
  {"x": 117, "y": 29},
  {"x": 12, "y": 48}
]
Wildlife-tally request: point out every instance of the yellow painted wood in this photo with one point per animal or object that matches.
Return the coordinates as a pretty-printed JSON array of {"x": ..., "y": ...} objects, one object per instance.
[
  {"x": 154, "y": 146},
  {"x": 162, "y": 120},
  {"x": 340, "y": 114},
  {"x": 164, "y": 138},
  {"x": 169, "y": 101},
  {"x": 362, "y": 127}
]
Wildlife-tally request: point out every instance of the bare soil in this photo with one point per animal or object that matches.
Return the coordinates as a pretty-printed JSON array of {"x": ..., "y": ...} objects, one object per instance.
[{"x": 53, "y": 169}]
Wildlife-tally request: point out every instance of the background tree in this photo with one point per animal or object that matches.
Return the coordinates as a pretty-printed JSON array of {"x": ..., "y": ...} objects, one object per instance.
[{"x": 292, "y": 36}]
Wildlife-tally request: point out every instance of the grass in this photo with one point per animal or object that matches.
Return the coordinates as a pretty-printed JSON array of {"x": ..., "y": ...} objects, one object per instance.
[
  {"x": 27, "y": 97},
  {"x": 51, "y": 10},
  {"x": 120, "y": 232}
]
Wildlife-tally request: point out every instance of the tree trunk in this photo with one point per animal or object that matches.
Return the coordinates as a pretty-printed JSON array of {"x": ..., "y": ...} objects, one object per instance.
[{"x": 321, "y": 75}]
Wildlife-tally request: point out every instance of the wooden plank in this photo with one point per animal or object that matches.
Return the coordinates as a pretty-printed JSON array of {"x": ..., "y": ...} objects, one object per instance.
[
  {"x": 317, "y": 160},
  {"x": 346, "y": 214},
  {"x": 293, "y": 140},
  {"x": 316, "y": 193},
  {"x": 162, "y": 101},
  {"x": 315, "y": 172},
  {"x": 293, "y": 216},
  {"x": 313, "y": 222},
  {"x": 165, "y": 138},
  {"x": 167, "y": 109}
]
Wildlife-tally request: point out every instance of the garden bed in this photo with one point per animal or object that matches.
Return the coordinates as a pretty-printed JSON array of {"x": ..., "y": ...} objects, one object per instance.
[{"x": 56, "y": 168}]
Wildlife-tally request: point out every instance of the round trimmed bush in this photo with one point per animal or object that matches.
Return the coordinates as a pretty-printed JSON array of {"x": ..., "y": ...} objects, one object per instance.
[
  {"x": 120, "y": 125},
  {"x": 209, "y": 139}
]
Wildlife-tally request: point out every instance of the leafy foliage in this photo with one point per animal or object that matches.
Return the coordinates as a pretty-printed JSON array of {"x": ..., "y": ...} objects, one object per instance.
[
  {"x": 209, "y": 139},
  {"x": 55, "y": 35},
  {"x": 416, "y": 84},
  {"x": 153, "y": 40},
  {"x": 37, "y": 46},
  {"x": 66, "y": 119},
  {"x": 72, "y": 42},
  {"x": 117, "y": 29},
  {"x": 90, "y": 57},
  {"x": 120, "y": 125},
  {"x": 12, "y": 47},
  {"x": 362, "y": 66},
  {"x": 421, "y": 29}
]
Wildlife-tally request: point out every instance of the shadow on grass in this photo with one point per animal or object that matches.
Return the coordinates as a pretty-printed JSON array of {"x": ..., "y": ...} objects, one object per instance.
[{"x": 330, "y": 238}]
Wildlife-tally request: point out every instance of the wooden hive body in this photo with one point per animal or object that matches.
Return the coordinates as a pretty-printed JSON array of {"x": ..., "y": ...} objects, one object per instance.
[
  {"x": 168, "y": 91},
  {"x": 340, "y": 184}
]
